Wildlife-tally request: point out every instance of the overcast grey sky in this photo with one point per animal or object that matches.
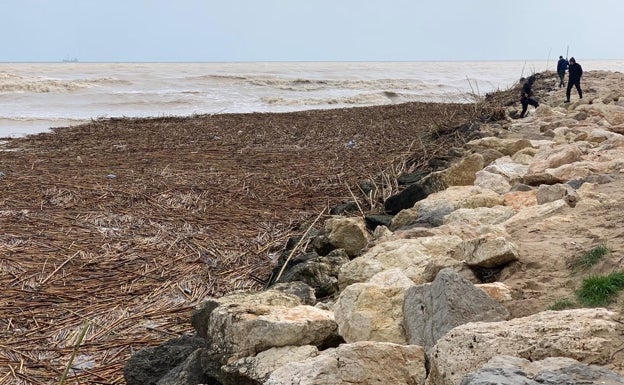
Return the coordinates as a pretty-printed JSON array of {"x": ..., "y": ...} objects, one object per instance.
[{"x": 309, "y": 30}]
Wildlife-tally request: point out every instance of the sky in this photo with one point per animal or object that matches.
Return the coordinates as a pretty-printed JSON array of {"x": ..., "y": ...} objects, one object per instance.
[{"x": 309, "y": 30}]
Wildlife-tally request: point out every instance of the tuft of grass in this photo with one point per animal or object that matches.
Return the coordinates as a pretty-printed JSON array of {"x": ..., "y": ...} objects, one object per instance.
[
  {"x": 591, "y": 257},
  {"x": 561, "y": 304},
  {"x": 600, "y": 290}
]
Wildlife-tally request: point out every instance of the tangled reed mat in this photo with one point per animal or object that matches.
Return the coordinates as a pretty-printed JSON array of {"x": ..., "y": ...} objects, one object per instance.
[{"x": 113, "y": 231}]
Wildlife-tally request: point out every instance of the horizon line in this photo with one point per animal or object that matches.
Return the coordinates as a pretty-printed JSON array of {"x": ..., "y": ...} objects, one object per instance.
[{"x": 277, "y": 61}]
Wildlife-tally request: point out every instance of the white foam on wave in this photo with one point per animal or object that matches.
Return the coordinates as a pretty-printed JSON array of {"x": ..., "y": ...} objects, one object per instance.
[
  {"x": 369, "y": 99},
  {"x": 11, "y": 83},
  {"x": 303, "y": 84},
  {"x": 359, "y": 99},
  {"x": 314, "y": 84}
]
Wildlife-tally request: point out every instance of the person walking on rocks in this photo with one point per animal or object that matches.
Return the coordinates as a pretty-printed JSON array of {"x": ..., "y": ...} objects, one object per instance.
[
  {"x": 526, "y": 96},
  {"x": 575, "y": 72},
  {"x": 562, "y": 66}
]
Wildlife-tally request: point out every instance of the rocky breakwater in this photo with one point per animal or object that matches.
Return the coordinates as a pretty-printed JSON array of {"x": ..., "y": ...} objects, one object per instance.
[{"x": 456, "y": 287}]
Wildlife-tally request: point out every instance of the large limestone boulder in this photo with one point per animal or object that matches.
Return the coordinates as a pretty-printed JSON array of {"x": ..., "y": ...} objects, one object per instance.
[
  {"x": 613, "y": 113},
  {"x": 357, "y": 363},
  {"x": 492, "y": 181},
  {"x": 431, "y": 310},
  {"x": 435, "y": 207},
  {"x": 489, "y": 251},
  {"x": 461, "y": 173},
  {"x": 349, "y": 234},
  {"x": 555, "y": 157},
  {"x": 583, "y": 169},
  {"x": 587, "y": 335},
  {"x": 414, "y": 256},
  {"x": 367, "y": 312},
  {"x": 536, "y": 212},
  {"x": 245, "y": 324},
  {"x": 243, "y": 330},
  {"x": 600, "y": 135},
  {"x": 200, "y": 318},
  {"x": 508, "y": 168}
]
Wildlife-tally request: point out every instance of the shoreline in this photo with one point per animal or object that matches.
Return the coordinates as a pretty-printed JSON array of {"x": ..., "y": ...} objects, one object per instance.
[{"x": 181, "y": 90}]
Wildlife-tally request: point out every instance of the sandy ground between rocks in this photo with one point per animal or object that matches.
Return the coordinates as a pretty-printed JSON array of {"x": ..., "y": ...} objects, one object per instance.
[{"x": 548, "y": 246}]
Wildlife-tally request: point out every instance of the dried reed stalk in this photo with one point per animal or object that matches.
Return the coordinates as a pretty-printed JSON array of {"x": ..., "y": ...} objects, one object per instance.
[{"x": 196, "y": 209}]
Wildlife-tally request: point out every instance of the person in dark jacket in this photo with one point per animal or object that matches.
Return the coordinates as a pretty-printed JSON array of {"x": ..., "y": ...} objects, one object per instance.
[
  {"x": 562, "y": 66},
  {"x": 575, "y": 72},
  {"x": 526, "y": 96}
]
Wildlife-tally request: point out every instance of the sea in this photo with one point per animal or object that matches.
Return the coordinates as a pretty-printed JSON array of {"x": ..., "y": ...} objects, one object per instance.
[{"x": 35, "y": 97}]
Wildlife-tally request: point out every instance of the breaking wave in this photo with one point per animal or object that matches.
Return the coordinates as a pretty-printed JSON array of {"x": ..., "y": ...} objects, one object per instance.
[
  {"x": 368, "y": 99},
  {"x": 18, "y": 84},
  {"x": 316, "y": 85},
  {"x": 386, "y": 97},
  {"x": 305, "y": 84}
]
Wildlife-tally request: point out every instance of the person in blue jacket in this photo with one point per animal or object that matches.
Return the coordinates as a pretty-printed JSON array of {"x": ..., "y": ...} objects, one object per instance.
[
  {"x": 526, "y": 96},
  {"x": 575, "y": 71},
  {"x": 562, "y": 66}
]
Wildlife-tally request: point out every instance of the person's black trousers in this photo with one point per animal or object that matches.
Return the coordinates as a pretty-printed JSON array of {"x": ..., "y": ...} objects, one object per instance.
[
  {"x": 525, "y": 104},
  {"x": 576, "y": 84}
]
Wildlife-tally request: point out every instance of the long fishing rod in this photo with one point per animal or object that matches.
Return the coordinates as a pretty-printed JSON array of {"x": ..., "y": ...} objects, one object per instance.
[{"x": 548, "y": 58}]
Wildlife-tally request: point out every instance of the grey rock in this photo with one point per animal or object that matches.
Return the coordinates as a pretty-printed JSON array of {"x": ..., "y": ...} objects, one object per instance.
[
  {"x": 320, "y": 273},
  {"x": 539, "y": 178},
  {"x": 580, "y": 374},
  {"x": 575, "y": 374},
  {"x": 498, "y": 376},
  {"x": 550, "y": 193},
  {"x": 147, "y": 366},
  {"x": 431, "y": 310},
  {"x": 406, "y": 198},
  {"x": 189, "y": 372},
  {"x": 299, "y": 289},
  {"x": 375, "y": 220}
]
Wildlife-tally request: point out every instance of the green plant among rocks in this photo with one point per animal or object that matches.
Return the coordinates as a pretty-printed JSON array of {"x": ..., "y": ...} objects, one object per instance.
[
  {"x": 591, "y": 257},
  {"x": 599, "y": 290}
]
